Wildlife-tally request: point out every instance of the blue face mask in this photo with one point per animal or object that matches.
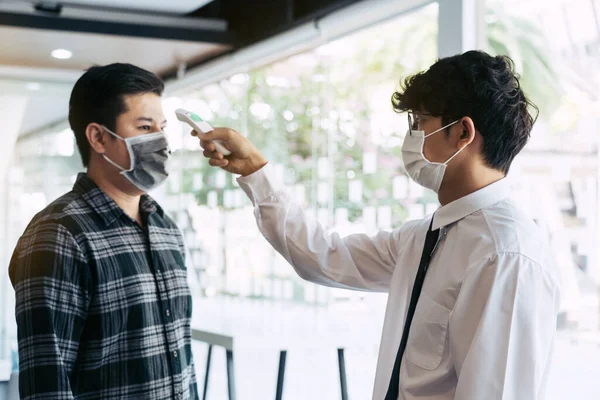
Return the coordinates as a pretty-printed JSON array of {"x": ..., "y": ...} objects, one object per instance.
[{"x": 149, "y": 155}]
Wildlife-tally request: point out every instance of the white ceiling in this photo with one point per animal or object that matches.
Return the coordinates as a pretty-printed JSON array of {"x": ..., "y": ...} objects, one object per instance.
[
  {"x": 32, "y": 48},
  {"x": 29, "y": 48},
  {"x": 41, "y": 84}
]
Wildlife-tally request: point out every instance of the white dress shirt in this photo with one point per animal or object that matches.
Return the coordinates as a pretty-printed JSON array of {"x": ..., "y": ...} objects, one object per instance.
[{"x": 485, "y": 322}]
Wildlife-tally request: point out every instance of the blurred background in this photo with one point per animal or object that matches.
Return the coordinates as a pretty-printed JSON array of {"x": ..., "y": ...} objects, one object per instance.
[{"x": 310, "y": 83}]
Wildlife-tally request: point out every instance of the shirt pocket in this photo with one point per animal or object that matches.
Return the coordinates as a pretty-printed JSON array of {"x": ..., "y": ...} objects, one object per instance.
[{"x": 427, "y": 338}]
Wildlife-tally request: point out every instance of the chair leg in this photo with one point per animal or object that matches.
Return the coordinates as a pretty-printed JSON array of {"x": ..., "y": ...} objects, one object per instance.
[
  {"x": 208, "y": 358},
  {"x": 281, "y": 375},
  {"x": 342, "y": 368}
]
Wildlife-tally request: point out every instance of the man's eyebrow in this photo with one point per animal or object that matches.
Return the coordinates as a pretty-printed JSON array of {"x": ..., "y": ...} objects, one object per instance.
[{"x": 148, "y": 119}]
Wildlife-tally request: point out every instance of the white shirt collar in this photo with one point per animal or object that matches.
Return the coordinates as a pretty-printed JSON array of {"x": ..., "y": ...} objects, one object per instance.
[{"x": 471, "y": 203}]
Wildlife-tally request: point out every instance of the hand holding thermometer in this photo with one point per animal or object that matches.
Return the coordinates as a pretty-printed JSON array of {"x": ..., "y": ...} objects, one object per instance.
[{"x": 200, "y": 126}]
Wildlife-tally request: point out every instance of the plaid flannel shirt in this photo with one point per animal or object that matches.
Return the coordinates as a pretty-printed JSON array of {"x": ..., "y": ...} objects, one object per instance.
[{"x": 103, "y": 306}]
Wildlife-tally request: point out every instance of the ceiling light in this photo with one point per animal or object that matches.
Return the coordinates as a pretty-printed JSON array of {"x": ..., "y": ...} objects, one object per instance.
[
  {"x": 33, "y": 86},
  {"x": 62, "y": 54}
]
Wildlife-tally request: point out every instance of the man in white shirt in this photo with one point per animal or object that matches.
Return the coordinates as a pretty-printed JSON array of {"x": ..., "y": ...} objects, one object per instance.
[{"x": 473, "y": 290}]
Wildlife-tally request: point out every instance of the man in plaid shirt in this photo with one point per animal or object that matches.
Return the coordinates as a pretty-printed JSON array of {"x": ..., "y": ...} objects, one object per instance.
[{"x": 103, "y": 306}]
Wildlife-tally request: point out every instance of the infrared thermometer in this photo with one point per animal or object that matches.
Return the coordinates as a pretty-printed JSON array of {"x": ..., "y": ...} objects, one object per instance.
[{"x": 200, "y": 126}]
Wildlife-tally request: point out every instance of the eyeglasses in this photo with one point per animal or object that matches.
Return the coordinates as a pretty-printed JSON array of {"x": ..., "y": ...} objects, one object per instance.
[{"x": 414, "y": 120}]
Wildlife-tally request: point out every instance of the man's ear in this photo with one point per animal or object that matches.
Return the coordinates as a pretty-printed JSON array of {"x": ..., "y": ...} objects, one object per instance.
[
  {"x": 96, "y": 136},
  {"x": 467, "y": 134}
]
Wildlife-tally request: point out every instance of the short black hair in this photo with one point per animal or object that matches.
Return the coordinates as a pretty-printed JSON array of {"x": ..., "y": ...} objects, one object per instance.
[
  {"x": 98, "y": 96},
  {"x": 482, "y": 87}
]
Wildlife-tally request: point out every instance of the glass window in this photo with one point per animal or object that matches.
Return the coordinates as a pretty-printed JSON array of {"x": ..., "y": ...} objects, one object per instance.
[
  {"x": 43, "y": 168},
  {"x": 324, "y": 120},
  {"x": 555, "y": 48}
]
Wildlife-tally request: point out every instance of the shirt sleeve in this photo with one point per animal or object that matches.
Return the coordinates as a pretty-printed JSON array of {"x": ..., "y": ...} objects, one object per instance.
[
  {"x": 51, "y": 279},
  {"x": 357, "y": 261},
  {"x": 502, "y": 329}
]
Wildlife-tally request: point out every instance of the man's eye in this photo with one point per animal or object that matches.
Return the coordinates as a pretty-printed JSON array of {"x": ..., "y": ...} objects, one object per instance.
[{"x": 145, "y": 127}]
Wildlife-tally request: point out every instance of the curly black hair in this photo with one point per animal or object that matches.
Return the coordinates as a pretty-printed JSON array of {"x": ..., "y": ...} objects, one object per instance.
[
  {"x": 479, "y": 86},
  {"x": 98, "y": 96}
]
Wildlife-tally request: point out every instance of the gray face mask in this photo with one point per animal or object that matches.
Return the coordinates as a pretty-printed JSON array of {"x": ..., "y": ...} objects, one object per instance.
[{"x": 149, "y": 155}]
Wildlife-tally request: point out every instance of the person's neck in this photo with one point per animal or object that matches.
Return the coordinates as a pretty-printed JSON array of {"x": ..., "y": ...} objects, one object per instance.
[
  {"x": 463, "y": 185},
  {"x": 130, "y": 204}
]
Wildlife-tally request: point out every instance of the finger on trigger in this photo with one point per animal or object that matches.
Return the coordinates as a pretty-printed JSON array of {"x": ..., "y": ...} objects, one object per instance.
[
  {"x": 207, "y": 145},
  {"x": 218, "y": 163}
]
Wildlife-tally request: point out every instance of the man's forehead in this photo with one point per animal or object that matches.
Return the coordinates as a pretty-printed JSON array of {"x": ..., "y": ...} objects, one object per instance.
[
  {"x": 146, "y": 107},
  {"x": 142, "y": 99}
]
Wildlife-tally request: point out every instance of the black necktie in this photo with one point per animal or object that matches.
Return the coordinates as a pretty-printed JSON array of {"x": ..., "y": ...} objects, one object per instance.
[{"x": 430, "y": 242}]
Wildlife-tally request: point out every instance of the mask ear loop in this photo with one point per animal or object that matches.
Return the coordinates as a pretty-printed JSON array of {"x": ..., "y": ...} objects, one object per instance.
[
  {"x": 459, "y": 150},
  {"x": 433, "y": 133},
  {"x": 441, "y": 129},
  {"x": 455, "y": 154},
  {"x": 128, "y": 150},
  {"x": 112, "y": 133},
  {"x": 115, "y": 164}
]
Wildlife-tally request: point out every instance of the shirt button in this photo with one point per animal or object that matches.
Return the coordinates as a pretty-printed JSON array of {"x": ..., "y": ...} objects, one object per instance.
[
  {"x": 175, "y": 354},
  {"x": 168, "y": 313}
]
